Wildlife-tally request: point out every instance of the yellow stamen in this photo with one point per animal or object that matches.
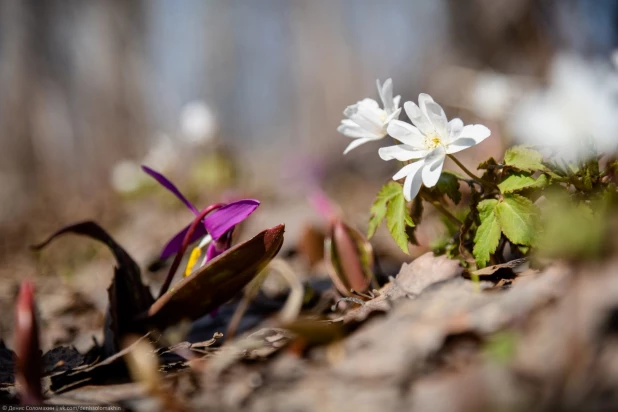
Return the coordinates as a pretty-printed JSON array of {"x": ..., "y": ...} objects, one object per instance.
[
  {"x": 195, "y": 255},
  {"x": 433, "y": 140}
]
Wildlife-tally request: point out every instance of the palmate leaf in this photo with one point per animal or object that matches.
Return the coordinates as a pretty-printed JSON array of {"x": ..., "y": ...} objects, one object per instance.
[
  {"x": 488, "y": 233},
  {"x": 524, "y": 158},
  {"x": 378, "y": 209},
  {"x": 518, "y": 218},
  {"x": 522, "y": 181},
  {"x": 396, "y": 220},
  {"x": 391, "y": 204}
]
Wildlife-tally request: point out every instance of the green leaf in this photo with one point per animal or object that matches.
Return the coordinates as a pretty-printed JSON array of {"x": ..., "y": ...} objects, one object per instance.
[
  {"x": 378, "y": 209},
  {"x": 397, "y": 218},
  {"x": 448, "y": 184},
  {"x": 521, "y": 181},
  {"x": 488, "y": 233},
  {"x": 524, "y": 158},
  {"x": 518, "y": 219}
]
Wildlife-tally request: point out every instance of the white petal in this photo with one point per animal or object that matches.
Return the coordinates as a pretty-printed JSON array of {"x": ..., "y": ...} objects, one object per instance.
[
  {"x": 433, "y": 167},
  {"x": 351, "y": 129},
  {"x": 370, "y": 120},
  {"x": 470, "y": 135},
  {"x": 423, "y": 99},
  {"x": 393, "y": 116},
  {"x": 434, "y": 112},
  {"x": 418, "y": 118},
  {"x": 412, "y": 168},
  {"x": 205, "y": 241},
  {"x": 401, "y": 152},
  {"x": 412, "y": 185},
  {"x": 405, "y": 133},
  {"x": 455, "y": 127},
  {"x": 357, "y": 142},
  {"x": 386, "y": 94},
  {"x": 396, "y": 101}
]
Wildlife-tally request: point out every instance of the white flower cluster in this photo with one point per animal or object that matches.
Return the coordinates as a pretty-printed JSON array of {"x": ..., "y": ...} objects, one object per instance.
[
  {"x": 579, "y": 106},
  {"x": 428, "y": 140}
]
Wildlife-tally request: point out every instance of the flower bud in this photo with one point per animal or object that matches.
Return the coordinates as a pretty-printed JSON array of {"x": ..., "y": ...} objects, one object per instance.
[
  {"x": 350, "y": 258},
  {"x": 28, "y": 364}
]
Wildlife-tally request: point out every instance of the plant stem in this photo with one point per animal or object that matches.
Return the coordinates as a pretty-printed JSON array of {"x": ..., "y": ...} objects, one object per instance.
[
  {"x": 183, "y": 247},
  {"x": 442, "y": 210},
  {"x": 469, "y": 173}
]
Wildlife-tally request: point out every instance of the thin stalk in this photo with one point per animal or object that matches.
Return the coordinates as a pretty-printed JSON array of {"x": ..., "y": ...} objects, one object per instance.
[
  {"x": 469, "y": 173},
  {"x": 183, "y": 247},
  {"x": 442, "y": 210}
]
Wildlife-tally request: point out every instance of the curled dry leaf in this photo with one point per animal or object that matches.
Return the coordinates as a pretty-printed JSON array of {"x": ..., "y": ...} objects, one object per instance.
[
  {"x": 516, "y": 266},
  {"x": 413, "y": 278},
  {"x": 128, "y": 296},
  {"x": 217, "y": 282}
]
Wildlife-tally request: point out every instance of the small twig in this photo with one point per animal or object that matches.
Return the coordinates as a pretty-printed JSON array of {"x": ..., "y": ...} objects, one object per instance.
[
  {"x": 348, "y": 299},
  {"x": 369, "y": 295},
  {"x": 292, "y": 305}
]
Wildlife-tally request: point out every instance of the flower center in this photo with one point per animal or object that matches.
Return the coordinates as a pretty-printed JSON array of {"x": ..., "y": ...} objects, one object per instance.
[{"x": 433, "y": 140}]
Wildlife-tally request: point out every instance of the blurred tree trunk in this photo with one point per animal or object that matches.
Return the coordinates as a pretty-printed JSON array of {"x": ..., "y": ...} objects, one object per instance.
[{"x": 71, "y": 102}]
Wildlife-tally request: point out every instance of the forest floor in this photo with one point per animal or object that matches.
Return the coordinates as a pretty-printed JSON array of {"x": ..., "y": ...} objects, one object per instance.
[{"x": 429, "y": 340}]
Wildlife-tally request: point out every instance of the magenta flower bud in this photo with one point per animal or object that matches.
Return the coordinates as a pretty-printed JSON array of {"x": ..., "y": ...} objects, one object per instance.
[
  {"x": 28, "y": 365},
  {"x": 350, "y": 257}
]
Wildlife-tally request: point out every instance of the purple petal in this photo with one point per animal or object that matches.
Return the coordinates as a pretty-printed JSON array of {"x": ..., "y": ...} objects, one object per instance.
[
  {"x": 219, "y": 246},
  {"x": 169, "y": 186},
  {"x": 173, "y": 246},
  {"x": 226, "y": 217},
  {"x": 212, "y": 252}
]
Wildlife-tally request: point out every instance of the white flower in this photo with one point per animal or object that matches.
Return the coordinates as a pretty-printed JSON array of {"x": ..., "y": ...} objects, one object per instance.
[
  {"x": 198, "y": 122},
  {"x": 430, "y": 141},
  {"x": 126, "y": 176},
  {"x": 366, "y": 121},
  {"x": 579, "y": 106}
]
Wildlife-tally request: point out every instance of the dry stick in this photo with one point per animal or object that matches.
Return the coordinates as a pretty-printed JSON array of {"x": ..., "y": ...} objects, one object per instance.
[
  {"x": 183, "y": 247},
  {"x": 469, "y": 173},
  {"x": 292, "y": 306}
]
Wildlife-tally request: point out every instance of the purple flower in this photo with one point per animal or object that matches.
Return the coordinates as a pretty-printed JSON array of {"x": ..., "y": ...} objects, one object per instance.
[{"x": 219, "y": 224}]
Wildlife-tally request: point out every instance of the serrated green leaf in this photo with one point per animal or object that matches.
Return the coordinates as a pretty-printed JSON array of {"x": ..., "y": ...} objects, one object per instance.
[
  {"x": 488, "y": 233},
  {"x": 448, "y": 185},
  {"x": 518, "y": 219},
  {"x": 521, "y": 181},
  {"x": 416, "y": 214},
  {"x": 396, "y": 220},
  {"x": 524, "y": 158},
  {"x": 378, "y": 209}
]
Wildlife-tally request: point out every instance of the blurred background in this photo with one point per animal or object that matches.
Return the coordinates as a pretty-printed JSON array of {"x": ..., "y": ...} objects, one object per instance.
[{"x": 244, "y": 97}]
